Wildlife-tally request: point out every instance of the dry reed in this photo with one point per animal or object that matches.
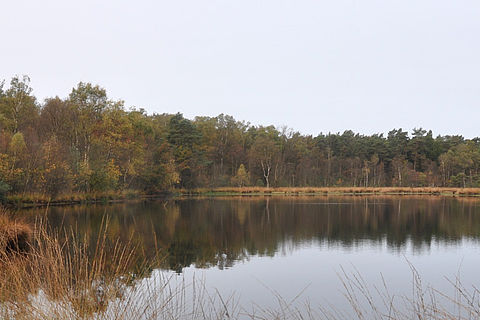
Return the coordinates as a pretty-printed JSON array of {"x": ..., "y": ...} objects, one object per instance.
[
  {"x": 14, "y": 234},
  {"x": 334, "y": 191}
]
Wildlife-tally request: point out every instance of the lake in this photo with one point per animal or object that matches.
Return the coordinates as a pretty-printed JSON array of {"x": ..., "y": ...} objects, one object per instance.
[{"x": 258, "y": 247}]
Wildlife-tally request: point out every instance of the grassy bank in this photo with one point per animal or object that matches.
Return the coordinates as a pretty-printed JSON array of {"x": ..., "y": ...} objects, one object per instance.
[
  {"x": 333, "y": 191},
  {"x": 38, "y": 199}
]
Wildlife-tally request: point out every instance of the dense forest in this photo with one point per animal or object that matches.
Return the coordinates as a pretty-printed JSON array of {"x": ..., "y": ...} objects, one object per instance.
[{"x": 90, "y": 143}]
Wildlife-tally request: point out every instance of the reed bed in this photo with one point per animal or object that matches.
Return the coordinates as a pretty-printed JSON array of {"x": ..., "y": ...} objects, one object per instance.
[
  {"x": 40, "y": 199},
  {"x": 58, "y": 276},
  {"x": 334, "y": 191}
]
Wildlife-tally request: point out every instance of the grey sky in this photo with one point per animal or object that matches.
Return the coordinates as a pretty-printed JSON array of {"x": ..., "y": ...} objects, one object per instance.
[{"x": 315, "y": 66}]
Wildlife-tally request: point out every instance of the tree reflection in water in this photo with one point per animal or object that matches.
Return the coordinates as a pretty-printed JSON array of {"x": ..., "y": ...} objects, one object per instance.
[{"x": 208, "y": 232}]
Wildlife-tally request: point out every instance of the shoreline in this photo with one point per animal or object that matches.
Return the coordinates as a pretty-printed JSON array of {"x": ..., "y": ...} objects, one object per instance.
[
  {"x": 34, "y": 201},
  {"x": 37, "y": 200},
  {"x": 326, "y": 191}
]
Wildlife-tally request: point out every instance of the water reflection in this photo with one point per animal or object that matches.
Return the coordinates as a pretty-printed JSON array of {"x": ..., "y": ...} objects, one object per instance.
[{"x": 219, "y": 232}]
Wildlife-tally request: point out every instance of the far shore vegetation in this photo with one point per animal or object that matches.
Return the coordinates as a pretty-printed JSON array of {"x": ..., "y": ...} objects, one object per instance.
[
  {"x": 35, "y": 199},
  {"x": 87, "y": 147}
]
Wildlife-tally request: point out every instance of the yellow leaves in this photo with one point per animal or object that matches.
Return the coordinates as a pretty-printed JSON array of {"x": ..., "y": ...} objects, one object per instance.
[
  {"x": 113, "y": 172},
  {"x": 4, "y": 164},
  {"x": 241, "y": 178},
  {"x": 17, "y": 144},
  {"x": 8, "y": 172},
  {"x": 84, "y": 169},
  {"x": 172, "y": 175}
]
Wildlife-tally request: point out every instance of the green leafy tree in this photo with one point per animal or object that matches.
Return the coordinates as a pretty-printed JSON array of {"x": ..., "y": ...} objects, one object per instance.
[
  {"x": 184, "y": 137},
  {"x": 56, "y": 175},
  {"x": 18, "y": 108}
]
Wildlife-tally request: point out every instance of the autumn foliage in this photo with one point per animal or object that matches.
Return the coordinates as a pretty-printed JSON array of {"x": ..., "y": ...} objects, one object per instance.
[{"x": 88, "y": 143}]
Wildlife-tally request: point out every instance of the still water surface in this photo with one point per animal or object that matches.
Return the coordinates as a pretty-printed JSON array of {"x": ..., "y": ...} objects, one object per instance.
[{"x": 251, "y": 246}]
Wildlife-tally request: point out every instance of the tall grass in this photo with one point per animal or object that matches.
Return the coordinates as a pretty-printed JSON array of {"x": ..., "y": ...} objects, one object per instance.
[
  {"x": 57, "y": 275},
  {"x": 61, "y": 269}
]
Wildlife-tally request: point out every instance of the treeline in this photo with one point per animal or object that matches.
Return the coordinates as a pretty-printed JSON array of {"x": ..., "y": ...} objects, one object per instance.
[{"x": 90, "y": 143}]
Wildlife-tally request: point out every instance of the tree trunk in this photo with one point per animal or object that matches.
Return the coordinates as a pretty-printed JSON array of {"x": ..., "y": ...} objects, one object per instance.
[{"x": 266, "y": 172}]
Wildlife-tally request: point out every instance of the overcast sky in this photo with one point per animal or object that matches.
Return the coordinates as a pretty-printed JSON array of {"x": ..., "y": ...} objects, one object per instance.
[{"x": 315, "y": 66}]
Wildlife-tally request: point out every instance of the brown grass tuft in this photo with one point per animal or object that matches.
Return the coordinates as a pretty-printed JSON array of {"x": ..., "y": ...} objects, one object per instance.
[{"x": 15, "y": 235}]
